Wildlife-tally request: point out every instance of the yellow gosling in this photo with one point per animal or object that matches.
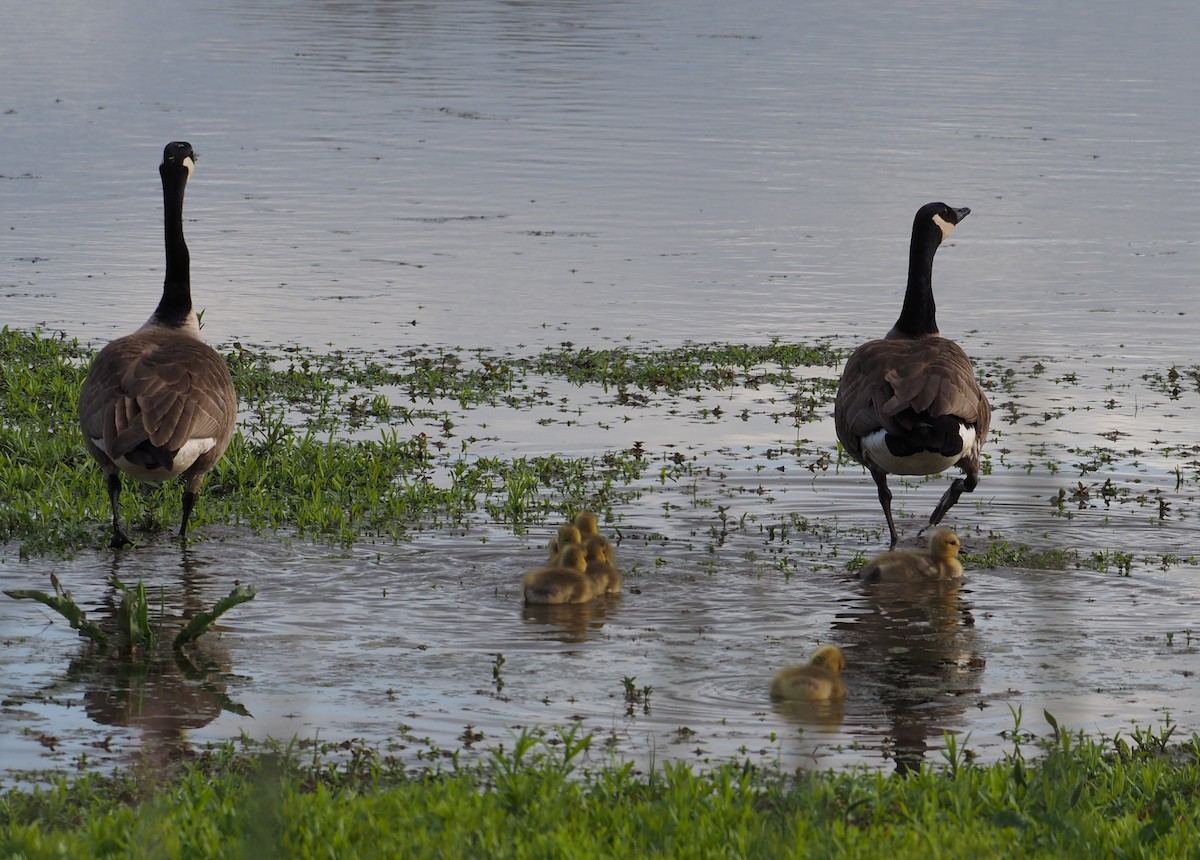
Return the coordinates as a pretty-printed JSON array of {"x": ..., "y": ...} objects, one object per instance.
[
  {"x": 606, "y": 579},
  {"x": 817, "y": 680},
  {"x": 587, "y": 524},
  {"x": 564, "y": 582},
  {"x": 937, "y": 563},
  {"x": 568, "y": 534}
]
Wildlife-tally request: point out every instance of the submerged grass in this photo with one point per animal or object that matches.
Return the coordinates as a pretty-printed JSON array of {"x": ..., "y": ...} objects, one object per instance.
[
  {"x": 355, "y": 445},
  {"x": 299, "y": 463},
  {"x": 1115, "y": 797}
]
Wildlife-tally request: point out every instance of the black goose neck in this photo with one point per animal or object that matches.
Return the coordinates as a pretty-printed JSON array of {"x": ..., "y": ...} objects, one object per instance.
[
  {"x": 918, "y": 317},
  {"x": 176, "y": 304}
]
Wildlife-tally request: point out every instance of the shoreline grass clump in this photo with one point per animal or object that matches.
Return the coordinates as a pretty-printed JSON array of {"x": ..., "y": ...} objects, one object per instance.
[{"x": 1113, "y": 797}]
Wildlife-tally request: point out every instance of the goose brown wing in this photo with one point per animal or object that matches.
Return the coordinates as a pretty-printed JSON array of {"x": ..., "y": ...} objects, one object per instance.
[
  {"x": 885, "y": 378},
  {"x": 183, "y": 391},
  {"x": 166, "y": 393}
]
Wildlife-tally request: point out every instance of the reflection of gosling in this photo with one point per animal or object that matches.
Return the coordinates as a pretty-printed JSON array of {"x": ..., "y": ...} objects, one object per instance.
[
  {"x": 567, "y": 534},
  {"x": 936, "y": 563},
  {"x": 605, "y": 578},
  {"x": 564, "y": 582},
  {"x": 815, "y": 680}
]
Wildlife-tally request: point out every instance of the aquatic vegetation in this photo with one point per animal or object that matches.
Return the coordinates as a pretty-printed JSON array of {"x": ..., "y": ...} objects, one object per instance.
[
  {"x": 353, "y": 446},
  {"x": 64, "y": 604},
  {"x": 134, "y": 630}
]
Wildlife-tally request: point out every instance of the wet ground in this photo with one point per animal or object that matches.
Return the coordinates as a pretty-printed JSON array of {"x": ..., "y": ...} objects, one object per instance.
[
  {"x": 736, "y": 565},
  {"x": 513, "y": 176}
]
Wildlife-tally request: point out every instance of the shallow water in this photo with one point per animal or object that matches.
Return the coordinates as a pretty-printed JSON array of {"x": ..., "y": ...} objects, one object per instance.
[{"x": 513, "y": 175}]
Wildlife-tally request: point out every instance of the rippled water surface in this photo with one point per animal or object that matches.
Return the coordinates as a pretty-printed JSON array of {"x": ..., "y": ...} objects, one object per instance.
[{"x": 513, "y": 175}]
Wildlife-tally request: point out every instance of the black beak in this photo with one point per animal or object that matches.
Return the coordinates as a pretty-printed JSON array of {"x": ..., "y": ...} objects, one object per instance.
[{"x": 962, "y": 213}]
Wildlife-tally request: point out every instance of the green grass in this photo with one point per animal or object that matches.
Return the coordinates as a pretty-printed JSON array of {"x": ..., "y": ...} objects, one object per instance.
[
  {"x": 1116, "y": 797},
  {"x": 350, "y": 446}
]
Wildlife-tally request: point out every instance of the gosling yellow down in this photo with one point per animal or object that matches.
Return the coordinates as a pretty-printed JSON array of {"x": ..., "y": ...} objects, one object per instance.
[
  {"x": 567, "y": 534},
  {"x": 606, "y": 579},
  {"x": 817, "y": 680},
  {"x": 938, "y": 563},
  {"x": 565, "y": 581}
]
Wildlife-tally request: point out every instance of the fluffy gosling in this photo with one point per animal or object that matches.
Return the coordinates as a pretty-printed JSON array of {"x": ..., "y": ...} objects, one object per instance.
[
  {"x": 563, "y": 582},
  {"x": 606, "y": 579},
  {"x": 817, "y": 680},
  {"x": 936, "y": 564}
]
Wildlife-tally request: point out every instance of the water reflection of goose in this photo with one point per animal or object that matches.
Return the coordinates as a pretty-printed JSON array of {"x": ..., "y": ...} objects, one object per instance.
[
  {"x": 909, "y": 403},
  {"x": 160, "y": 403},
  {"x": 164, "y": 692},
  {"x": 915, "y": 653},
  {"x": 937, "y": 563}
]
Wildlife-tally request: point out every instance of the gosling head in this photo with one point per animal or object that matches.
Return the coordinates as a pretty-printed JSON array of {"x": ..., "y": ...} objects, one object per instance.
[
  {"x": 829, "y": 657},
  {"x": 587, "y": 523},
  {"x": 944, "y": 544},
  {"x": 573, "y": 557},
  {"x": 597, "y": 549},
  {"x": 567, "y": 534}
]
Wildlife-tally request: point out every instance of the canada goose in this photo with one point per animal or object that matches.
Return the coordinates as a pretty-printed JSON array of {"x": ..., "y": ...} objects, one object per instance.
[
  {"x": 563, "y": 582},
  {"x": 819, "y": 678},
  {"x": 606, "y": 579},
  {"x": 909, "y": 404},
  {"x": 938, "y": 562},
  {"x": 567, "y": 534},
  {"x": 159, "y": 403}
]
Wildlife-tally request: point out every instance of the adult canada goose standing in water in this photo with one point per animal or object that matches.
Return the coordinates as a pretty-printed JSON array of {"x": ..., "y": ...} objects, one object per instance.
[
  {"x": 159, "y": 403},
  {"x": 909, "y": 403}
]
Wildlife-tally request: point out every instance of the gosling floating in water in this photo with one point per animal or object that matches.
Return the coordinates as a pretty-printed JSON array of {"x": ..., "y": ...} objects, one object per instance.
[
  {"x": 937, "y": 563},
  {"x": 568, "y": 534},
  {"x": 817, "y": 680},
  {"x": 587, "y": 524},
  {"x": 566, "y": 581},
  {"x": 606, "y": 579}
]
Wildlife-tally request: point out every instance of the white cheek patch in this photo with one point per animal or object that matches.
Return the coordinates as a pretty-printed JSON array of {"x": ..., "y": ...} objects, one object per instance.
[
  {"x": 945, "y": 226},
  {"x": 190, "y": 166}
]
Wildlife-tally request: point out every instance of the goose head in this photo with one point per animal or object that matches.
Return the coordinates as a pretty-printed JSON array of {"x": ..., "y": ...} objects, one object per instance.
[
  {"x": 937, "y": 221},
  {"x": 179, "y": 159}
]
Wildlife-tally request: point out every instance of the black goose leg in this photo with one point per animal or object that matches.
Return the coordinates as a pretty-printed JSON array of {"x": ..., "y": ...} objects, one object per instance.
[
  {"x": 885, "y": 501},
  {"x": 119, "y": 538},
  {"x": 189, "y": 501},
  {"x": 957, "y": 487}
]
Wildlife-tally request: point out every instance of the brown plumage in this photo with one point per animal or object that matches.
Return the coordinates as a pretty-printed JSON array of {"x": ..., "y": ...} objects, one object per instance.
[
  {"x": 909, "y": 403},
  {"x": 937, "y": 563},
  {"x": 565, "y": 581},
  {"x": 160, "y": 403},
  {"x": 605, "y": 577},
  {"x": 817, "y": 680}
]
